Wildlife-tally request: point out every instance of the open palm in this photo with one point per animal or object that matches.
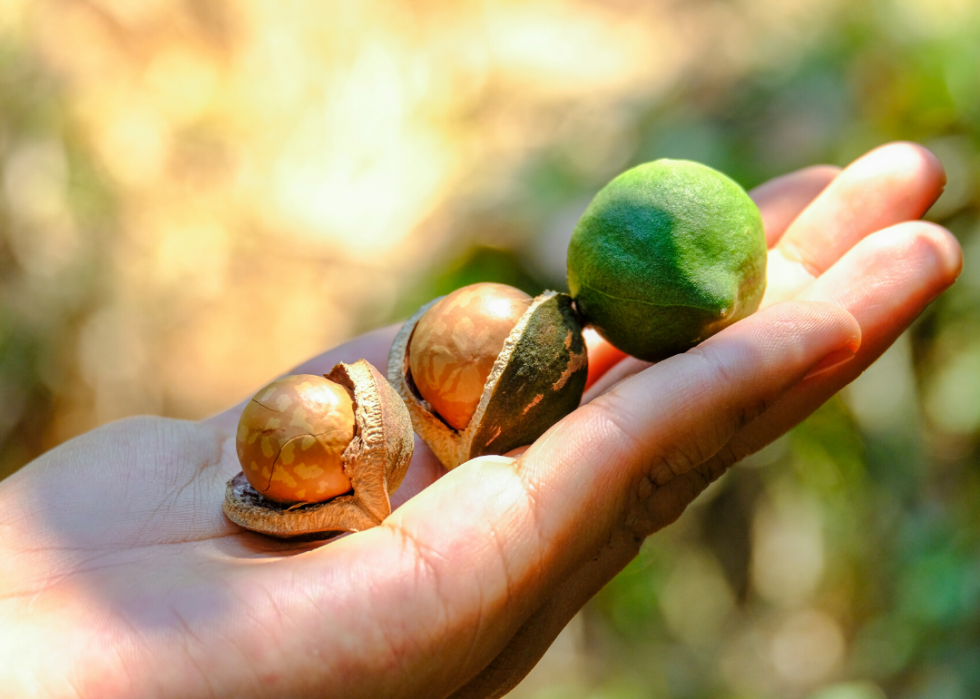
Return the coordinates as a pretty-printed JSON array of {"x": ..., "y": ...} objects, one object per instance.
[{"x": 122, "y": 578}]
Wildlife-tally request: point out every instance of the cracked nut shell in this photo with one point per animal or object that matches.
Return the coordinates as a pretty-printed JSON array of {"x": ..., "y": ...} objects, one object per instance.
[
  {"x": 375, "y": 461},
  {"x": 536, "y": 380}
]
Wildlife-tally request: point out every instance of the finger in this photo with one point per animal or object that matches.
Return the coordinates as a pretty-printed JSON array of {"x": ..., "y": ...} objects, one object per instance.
[
  {"x": 781, "y": 200},
  {"x": 680, "y": 411},
  {"x": 630, "y": 366},
  {"x": 891, "y": 184},
  {"x": 518, "y": 532},
  {"x": 602, "y": 355},
  {"x": 885, "y": 282},
  {"x": 374, "y": 347}
]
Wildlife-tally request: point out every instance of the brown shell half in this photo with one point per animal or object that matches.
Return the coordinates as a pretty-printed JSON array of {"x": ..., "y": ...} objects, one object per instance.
[
  {"x": 376, "y": 461},
  {"x": 538, "y": 378}
]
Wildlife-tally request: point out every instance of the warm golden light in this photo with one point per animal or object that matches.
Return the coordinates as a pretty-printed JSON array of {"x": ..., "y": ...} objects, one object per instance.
[{"x": 197, "y": 196}]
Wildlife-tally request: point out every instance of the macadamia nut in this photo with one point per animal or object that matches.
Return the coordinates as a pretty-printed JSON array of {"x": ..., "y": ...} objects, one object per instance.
[
  {"x": 456, "y": 343},
  {"x": 292, "y": 436}
]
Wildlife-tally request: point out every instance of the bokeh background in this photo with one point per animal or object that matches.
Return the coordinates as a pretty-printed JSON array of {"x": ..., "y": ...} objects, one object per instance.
[{"x": 197, "y": 194}]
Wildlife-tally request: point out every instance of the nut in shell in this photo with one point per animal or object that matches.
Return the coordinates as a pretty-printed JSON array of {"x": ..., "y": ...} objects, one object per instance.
[
  {"x": 536, "y": 380},
  {"x": 292, "y": 436},
  {"x": 456, "y": 343},
  {"x": 374, "y": 460}
]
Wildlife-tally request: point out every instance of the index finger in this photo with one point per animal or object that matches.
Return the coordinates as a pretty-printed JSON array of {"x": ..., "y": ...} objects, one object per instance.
[
  {"x": 893, "y": 183},
  {"x": 782, "y": 199}
]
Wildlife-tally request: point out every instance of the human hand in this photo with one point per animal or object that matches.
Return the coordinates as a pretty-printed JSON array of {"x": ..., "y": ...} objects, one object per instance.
[{"x": 121, "y": 577}]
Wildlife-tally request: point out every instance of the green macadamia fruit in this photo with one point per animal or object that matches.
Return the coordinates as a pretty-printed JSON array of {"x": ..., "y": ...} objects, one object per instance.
[{"x": 667, "y": 254}]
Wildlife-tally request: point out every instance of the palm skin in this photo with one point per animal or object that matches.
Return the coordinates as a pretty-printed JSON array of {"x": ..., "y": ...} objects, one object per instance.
[{"x": 122, "y": 578}]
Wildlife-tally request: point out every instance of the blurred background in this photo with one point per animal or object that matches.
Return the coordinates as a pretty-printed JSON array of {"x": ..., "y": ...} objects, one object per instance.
[{"x": 196, "y": 195}]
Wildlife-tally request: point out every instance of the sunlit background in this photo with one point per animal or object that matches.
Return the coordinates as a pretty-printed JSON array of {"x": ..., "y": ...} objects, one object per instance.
[{"x": 196, "y": 195}]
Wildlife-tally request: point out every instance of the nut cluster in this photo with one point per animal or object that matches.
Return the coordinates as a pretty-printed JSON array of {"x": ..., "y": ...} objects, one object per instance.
[{"x": 666, "y": 254}]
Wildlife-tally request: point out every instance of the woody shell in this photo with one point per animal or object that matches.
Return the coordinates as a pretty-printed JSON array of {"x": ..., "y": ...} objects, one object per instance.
[
  {"x": 536, "y": 380},
  {"x": 375, "y": 461}
]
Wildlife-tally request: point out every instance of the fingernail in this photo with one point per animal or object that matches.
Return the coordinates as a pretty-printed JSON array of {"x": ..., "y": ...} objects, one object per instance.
[{"x": 831, "y": 361}]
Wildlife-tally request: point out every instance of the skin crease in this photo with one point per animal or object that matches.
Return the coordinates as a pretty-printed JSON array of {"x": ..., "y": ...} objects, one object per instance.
[{"x": 463, "y": 588}]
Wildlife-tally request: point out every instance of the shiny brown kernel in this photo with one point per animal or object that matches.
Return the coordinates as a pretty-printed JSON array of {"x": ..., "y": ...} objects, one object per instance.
[
  {"x": 291, "y": 439},
  {"x": 537, "y": 378},
  {"x": 456, "y": 343}
]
